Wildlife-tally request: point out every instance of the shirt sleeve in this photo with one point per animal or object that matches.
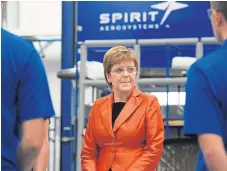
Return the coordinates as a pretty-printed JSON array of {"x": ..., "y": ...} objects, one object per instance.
[
  {"x": 202, "y": 111},
  {"x": 34, "y": 99}
]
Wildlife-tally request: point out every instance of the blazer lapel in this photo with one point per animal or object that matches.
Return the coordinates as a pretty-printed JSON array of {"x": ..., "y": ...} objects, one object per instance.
[
  {"x": 128, "y": 109},
  {"x": 106, "y": 113}
]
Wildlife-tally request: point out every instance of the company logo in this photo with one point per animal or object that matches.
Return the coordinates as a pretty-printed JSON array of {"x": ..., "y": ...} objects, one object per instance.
[{"x": 144, "y": 20}]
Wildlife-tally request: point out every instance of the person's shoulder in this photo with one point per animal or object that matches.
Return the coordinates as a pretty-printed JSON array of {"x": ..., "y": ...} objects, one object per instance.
[
  {"x": 148, "y": 97},
  {"x": 211, "y": 61},
  {"x": 15, "y": 43},
  {"x": 16, "y": 51},
  {"x": 101, "y": 100}
]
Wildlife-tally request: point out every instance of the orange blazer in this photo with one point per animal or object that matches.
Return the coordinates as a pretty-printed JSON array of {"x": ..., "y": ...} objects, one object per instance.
[{"x": 134, "y": 143}]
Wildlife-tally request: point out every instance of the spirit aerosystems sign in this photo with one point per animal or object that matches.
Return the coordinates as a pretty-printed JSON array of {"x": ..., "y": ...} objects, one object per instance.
[
  {"x": 143, "y": 19},
  {"x": 102, "y": 20},
  {"x": 153, "y": 18}
]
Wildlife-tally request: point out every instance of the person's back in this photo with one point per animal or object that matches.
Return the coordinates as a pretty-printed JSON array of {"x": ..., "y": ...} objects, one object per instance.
[
  {"x": 12, "y": 69},
  {"x": 214, "y": 66},
  {"x": 25, "y": 94},
  {"x": 213, "y": 69},
  {"x": 206, "y": 98}
]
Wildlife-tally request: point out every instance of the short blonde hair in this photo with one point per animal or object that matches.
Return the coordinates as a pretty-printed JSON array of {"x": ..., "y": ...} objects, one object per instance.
[{"x": 115, "y": 55}]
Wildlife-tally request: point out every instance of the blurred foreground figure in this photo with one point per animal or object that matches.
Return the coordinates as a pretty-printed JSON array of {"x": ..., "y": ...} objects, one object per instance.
[
  {"x": 26, "y": 101},
  {"x": 206, "y": 97}
]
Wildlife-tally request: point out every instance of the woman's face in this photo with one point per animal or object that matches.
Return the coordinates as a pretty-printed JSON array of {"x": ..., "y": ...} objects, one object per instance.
[{"x": 123, "y": 76}]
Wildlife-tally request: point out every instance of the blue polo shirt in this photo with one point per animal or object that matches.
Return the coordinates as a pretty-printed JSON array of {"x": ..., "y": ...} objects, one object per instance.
[
  {"x": 206, "y": 98},
  {"x": 24, "y": 90}
]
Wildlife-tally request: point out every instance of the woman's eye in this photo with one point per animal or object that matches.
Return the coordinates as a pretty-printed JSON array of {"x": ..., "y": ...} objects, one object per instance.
[
  {"x": 130, "y": 69},
  {"x": 119, "y": 70}
]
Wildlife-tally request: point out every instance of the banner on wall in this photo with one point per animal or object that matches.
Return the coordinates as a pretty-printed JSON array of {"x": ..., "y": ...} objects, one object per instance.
[{"x": 144, "y": 20}]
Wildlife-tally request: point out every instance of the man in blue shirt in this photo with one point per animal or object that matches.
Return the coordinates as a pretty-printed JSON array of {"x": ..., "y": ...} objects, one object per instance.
[
  {"x": 206, "y": 98},
  {"x": 26, "y": 100}
]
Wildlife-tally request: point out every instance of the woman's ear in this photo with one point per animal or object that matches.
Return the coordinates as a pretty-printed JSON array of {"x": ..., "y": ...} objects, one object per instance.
[{"x": 108, "y": 77}]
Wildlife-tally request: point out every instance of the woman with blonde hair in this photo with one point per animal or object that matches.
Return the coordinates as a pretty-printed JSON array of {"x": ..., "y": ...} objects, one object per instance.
[{"x": 125, "y": 129}]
